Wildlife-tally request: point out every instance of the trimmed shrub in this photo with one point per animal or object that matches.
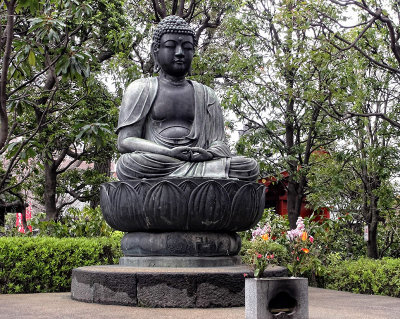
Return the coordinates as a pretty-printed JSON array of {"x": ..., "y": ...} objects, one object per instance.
[
  {"x": 44, "y": 264},
  {"x": 365, "y": 276}
]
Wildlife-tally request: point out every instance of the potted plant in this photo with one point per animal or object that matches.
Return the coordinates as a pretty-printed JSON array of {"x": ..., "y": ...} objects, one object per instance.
[{"x": 274, "y": 297}]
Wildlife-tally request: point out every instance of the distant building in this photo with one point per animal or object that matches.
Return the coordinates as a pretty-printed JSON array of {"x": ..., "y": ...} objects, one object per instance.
[{"x": 276, "y": 197}]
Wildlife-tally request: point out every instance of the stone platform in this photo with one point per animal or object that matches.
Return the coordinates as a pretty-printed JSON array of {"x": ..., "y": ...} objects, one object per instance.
[{"x": 192, "y": 287}]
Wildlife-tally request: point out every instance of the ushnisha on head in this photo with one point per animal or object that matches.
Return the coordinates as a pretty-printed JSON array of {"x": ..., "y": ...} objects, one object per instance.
[{"x": 171, "y": 24}]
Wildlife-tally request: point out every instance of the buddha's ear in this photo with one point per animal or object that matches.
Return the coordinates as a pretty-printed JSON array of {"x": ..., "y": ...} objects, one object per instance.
[
  {"x": 190, "y": 69},
  {"x": 154, "y": 54}
]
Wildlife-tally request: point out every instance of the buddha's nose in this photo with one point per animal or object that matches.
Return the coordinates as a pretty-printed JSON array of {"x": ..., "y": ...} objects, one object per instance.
[{"x": 179, "y": 51}]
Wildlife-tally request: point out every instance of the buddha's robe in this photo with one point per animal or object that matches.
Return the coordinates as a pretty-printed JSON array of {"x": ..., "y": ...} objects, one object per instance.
[{"x": 207, "y": 132}]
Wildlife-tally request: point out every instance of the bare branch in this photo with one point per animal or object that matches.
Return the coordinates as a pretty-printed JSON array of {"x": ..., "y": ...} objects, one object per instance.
[
  {"x": 371, "y": 22},
  {"x": 181, "y": 8},
  {"x": 383, "y": 116},
  {"x": 160, "y": 12},
  {"x": 174, "y": 6},
  {"x": 190, "y": 11}
]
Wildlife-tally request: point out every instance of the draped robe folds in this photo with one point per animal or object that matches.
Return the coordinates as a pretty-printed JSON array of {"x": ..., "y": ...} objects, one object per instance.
[{"x": 207, "y": 132}]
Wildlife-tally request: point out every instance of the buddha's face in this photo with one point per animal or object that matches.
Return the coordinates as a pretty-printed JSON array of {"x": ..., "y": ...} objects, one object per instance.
[{"x": 175, "y": 54}]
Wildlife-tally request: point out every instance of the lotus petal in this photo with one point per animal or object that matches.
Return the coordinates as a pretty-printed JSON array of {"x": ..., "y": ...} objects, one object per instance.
[
  {"x": 165, "y": 207},
  {"x": 209, "y": 207}
]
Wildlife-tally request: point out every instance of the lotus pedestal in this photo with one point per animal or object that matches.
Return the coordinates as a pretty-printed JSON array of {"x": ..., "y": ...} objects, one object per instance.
[{"x": 181, "y": 242}]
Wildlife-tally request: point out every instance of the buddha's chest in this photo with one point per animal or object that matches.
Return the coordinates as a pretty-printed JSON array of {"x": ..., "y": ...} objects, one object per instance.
[
  {"x": 172, "y": 113},
  {"x": 174, "y": 104}
]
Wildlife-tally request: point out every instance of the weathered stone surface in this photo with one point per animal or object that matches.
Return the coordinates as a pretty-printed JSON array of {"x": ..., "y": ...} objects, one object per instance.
[
  {"x": 175, "y": 204},
  {"x": 174, "y": 262},
  {"x": 104, "y": 287},
  {"x": 163, "y": 287},
  {"x": 271, "y": 298},
  {"x": 181, "y": 244}
]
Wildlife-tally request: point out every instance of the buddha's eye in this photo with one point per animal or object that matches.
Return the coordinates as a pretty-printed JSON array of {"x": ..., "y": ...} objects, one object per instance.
[
  {"x": 169, "y": 44},
  {"x": 188, "y": 46}
]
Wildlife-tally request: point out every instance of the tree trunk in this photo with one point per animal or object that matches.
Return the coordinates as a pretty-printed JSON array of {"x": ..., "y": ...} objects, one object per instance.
[
  {"x": 9, "y": 34},
  {"x": 294, "y": 201},
  {"x": 372, "y": 245},
  {"x": 373, "y": 220},
  {"x": 50, "y": 184}
]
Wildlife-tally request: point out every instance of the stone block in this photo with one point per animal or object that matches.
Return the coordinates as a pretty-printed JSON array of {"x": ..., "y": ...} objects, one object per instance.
[
  {"x": 104, "y": 287},
  {"x": 271, "y": 298}
]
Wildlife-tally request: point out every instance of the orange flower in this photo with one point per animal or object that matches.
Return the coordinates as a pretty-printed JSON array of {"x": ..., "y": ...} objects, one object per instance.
[
  {"x": 304, "y": 236},
  {"x": 306, "y": 250},
  {"x": 265, "y": 237}
]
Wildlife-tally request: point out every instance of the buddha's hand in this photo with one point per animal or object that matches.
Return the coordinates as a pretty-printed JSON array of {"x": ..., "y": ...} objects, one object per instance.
[
  {"x": 200, "y": 155},
  {"x": 183, "y": 153}
]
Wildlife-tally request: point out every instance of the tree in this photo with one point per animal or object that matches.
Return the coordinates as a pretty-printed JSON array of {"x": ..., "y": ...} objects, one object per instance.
[
  {"x": 48, "y": 46},
  {"x": 280, "y": 83},
  {"x": 376, "y": 31},
  {"x": 83, "y": 134},
  {"x": 358, "y": 176}
]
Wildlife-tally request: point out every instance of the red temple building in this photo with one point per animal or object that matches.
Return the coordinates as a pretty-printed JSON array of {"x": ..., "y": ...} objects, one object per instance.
[{"x": 276, "y": 197}]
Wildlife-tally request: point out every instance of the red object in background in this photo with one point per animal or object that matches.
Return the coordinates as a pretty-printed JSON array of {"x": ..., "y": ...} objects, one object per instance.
[
  {"x": 28, "y": 215},
  {"x": 276, "y": 197}
]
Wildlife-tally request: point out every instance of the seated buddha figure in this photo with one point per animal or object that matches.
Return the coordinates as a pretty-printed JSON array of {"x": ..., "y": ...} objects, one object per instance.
[{"x": 173, "y": 127}]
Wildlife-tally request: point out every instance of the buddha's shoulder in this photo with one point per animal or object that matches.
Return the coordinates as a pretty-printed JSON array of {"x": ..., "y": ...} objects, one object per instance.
[
  {"x": 210, "y": 92},
  {"x": 141, "y": 84}
]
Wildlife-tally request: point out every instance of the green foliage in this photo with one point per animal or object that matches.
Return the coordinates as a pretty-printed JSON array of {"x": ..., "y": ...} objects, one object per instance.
[
  {"x": 85, "y": 132},
  {"x": 343, "y": 235},
  {"x": 54, "y": 102},
  {"x": 309, "y": 256},
  {"x": 87, "y": 222},
  {"x": 366, "y": 276},
  {"x": 336, "y": 255},
  {"x": 44, "y": 264}
]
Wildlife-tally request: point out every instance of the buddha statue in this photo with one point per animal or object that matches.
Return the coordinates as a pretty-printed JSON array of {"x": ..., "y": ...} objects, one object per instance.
[{"x": 170, "y": 126}]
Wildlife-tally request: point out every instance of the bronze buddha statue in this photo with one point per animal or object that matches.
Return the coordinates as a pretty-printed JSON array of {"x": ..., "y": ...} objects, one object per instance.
[{"x": 173, "y": 127}]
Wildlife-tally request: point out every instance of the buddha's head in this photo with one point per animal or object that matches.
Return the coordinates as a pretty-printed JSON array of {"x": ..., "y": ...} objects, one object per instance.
[{"x": 173, "y": 46}]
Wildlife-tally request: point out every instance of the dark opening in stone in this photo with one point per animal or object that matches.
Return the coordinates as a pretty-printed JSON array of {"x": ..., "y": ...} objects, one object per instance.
[{"x": 282, "y": 303}]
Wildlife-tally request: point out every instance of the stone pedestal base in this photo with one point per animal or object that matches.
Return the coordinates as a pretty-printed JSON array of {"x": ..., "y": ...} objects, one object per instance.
[
  {"x": 196, "y": 244},
  {"x": 163, "y": 287},
  {"x": 178, "y": 262}
]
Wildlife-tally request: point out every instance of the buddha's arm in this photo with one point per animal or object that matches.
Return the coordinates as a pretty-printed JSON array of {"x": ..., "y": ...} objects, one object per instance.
[{"x": 129, "y": 140}]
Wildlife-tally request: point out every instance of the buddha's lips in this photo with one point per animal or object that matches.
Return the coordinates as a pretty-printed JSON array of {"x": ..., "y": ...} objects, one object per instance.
[{"x": 179, "y": 61}]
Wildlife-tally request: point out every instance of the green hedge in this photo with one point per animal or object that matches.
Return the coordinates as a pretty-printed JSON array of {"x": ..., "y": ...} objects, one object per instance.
[
  {"x": 44, "y": 264},
  {"x": 365, "y": 276}
]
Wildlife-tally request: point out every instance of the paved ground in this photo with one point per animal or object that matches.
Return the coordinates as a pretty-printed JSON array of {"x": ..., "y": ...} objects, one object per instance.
[{"x": 323, "y": 304}]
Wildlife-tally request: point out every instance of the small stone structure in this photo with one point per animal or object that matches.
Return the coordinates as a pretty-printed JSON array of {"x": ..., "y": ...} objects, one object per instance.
[{"x": 277, "y": 298}]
